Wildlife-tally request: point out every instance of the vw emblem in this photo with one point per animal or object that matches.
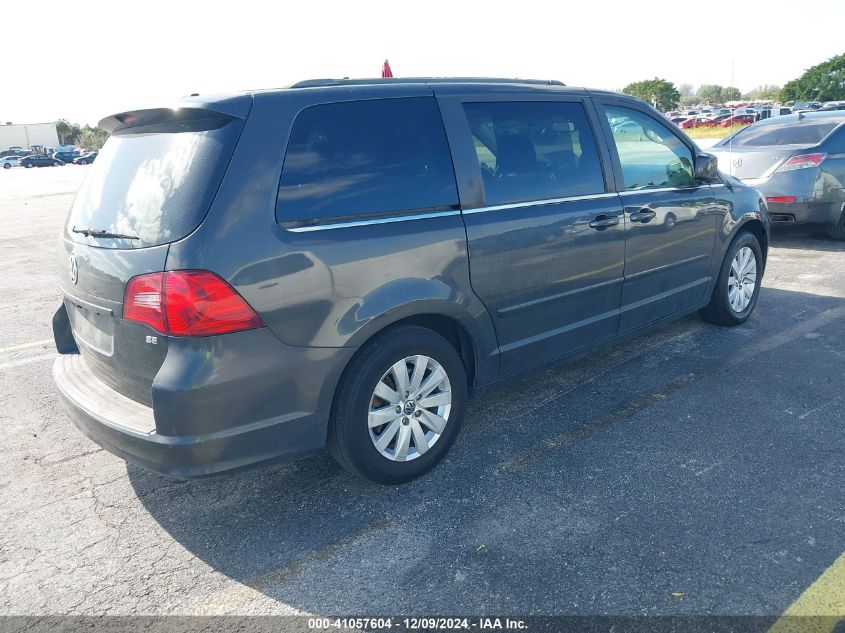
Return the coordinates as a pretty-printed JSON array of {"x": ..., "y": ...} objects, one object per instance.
[
  {"x": 73, "y": 269},
  {"x": 737, "y": 162},
  {"x": 410, "y": 406}
]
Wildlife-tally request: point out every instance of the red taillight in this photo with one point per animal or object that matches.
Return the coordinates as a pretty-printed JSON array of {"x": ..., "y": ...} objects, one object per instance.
[
  {"x": 187, "y": 303},
  {"x": 789, "y": 199},
  {"x": 142, "y": 302},
  {"x": 804, "y": 161},
  {"x": 199, "y": 303}
]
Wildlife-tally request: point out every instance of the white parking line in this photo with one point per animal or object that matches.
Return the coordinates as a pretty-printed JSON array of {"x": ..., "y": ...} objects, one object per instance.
[
  {"x": 26, "y": 361},
  {"x": 15, "y": 348}
]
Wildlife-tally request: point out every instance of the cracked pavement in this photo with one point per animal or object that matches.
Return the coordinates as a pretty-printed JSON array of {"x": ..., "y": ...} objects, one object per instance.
[{"x": 697, "y": 461}]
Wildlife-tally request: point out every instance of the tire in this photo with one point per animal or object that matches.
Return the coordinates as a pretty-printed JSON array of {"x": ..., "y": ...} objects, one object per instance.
[
  {"x": 837, "y": 231},
  {"x": 352, "y": 442},
  {"x": 669, "y": 221},
  {"x": 7, "y": 165},
  {"x": 28, "y": 165},
  {"x": 721, "y": 310}
]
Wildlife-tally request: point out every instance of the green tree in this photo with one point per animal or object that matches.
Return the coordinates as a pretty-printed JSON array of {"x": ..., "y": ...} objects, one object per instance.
[
  {"x": 766, "y": 92},
  {"x": 92, "y": 137},
  {"x": 660, "y": 93},
  {"x": 67, "y": 131},
  {"x": 822, "y": 82},
  {"x": 75, "y": 134},
  {"x": 686, "y": 90},
  {"x": 710, "y": 93},
  {"x": 729, "y": 93}
]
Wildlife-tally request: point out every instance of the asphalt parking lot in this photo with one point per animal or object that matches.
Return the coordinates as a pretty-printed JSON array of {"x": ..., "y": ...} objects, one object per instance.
[{"x": 697, "y": 470}]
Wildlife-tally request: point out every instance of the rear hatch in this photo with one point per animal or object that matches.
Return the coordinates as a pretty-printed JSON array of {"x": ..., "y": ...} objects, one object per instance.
[{"x": 152, "y": 184}]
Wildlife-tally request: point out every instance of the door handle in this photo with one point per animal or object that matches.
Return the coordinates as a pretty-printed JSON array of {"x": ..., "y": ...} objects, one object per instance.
[
  {"x": 601, "y": 222},
  {"x": 643, "y": 215}
]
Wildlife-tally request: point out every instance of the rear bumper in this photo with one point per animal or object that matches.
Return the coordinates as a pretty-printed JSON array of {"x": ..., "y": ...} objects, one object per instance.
[
  {"x": 816, "y": 202},
  {"x": 806, "y": 212},
  {"x": 205, "y": 436}
]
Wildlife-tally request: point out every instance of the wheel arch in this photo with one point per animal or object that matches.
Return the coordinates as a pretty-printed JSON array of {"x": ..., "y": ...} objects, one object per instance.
[
  {"x": 449, "y": 326},
  {"x": 758, "y": 229},
  {"x": 461, "y": 330}
]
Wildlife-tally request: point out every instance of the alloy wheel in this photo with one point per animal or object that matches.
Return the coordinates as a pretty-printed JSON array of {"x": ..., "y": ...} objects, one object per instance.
[
  {"x": 742, "y": 280},
  {"x": 409, "y": 408}
]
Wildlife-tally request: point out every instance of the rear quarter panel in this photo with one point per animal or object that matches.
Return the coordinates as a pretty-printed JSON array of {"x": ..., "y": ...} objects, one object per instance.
[{"x": 338, "y": 287}]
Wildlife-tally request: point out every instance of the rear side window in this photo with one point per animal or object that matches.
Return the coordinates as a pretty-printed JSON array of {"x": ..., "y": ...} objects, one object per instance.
[
  {"x": 787, "y": 133},
  {"x": 534, "y": 150},
  {"x": 365, "y": 158}
]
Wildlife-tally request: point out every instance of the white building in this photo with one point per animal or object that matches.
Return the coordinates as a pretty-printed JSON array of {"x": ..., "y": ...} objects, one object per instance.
[{"x": 27, "y": 135}]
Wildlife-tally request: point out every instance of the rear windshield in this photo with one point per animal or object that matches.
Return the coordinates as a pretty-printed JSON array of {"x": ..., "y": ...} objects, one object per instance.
[
  {"x": 790, "y": 133},
  {"x": 153, "y": 182}
]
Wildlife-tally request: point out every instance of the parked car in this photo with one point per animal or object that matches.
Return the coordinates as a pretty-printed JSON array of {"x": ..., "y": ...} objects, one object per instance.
[
  {"x": 626, "y": 127},
  {"x": 85, "y": 159},
  {"x": 679, "y": 119},
  {"x": 40, "y": 160},
  {"x": 738, "y": 119},
  {"x": 805, "y": 106},
  {"x": 66, "y": 156},
  {"x": 19, "y": 153},
  {"x": 698, "y": 121},
  {"x": 10, "y": 161},
  {"x": 422, "y": 241},
  {"x": 797, "y": 162},
  {"x": 829, "y": 107}
]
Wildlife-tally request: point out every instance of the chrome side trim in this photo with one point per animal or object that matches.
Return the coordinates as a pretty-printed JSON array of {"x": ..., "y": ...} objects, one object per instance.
[
  {"x": 542, "y": 336},
  {"x": 664, "y": 295},
  {"x": 661, "y": 190},
  {"x": 538, "y": 203},
  {"x": 659, "y": 269},
  {"x": 514, "y": 309},
  {"x": 395, "y": 218}
]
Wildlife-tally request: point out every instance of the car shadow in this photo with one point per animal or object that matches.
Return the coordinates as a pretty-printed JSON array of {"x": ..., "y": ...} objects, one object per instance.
[
  {"x": 804, "y": 237},
  {"x": 676, "y": 462}
]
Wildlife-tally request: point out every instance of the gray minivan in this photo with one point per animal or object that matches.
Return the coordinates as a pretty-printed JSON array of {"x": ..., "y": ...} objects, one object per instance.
[{"x": 341, "y": 264}]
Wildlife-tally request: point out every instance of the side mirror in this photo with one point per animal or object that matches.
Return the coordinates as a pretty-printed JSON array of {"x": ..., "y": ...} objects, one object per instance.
[{"x": 706, "y": 167}]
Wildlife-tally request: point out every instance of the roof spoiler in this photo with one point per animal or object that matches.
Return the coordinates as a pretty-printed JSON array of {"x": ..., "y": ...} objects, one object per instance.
[{"x": 184, "y": 111}]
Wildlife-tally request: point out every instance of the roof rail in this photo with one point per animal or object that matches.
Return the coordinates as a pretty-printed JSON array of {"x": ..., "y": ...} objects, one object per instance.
[{"x": 316, "y": 83}]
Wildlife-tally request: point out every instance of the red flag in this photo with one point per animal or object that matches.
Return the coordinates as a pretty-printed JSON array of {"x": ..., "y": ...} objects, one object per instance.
[{"x": 385, "y": 70}]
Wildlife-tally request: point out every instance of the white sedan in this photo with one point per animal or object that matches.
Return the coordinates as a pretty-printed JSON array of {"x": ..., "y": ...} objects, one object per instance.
[{"x": 7, "y": 162}]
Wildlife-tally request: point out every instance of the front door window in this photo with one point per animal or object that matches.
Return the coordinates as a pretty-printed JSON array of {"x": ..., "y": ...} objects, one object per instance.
[{"x": 651, "y": 155}]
